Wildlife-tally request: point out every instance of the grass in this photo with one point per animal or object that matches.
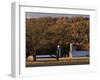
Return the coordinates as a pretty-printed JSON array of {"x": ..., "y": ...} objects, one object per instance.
[{"x": 54, "y": 62}]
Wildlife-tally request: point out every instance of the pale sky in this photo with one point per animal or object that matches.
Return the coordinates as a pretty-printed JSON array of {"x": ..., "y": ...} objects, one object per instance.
[{"x": 37, "y": 15}]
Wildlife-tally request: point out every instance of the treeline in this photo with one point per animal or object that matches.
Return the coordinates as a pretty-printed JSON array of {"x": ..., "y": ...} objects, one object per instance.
[{"x": 47, "y": 32}]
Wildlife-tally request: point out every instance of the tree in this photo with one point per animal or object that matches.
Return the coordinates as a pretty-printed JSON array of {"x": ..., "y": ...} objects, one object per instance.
[{"x": 46, "y": 32}]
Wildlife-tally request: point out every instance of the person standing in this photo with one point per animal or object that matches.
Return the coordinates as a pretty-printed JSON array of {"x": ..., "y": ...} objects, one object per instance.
[
  {"x": 58, "y": 52},
  {"x": 70, "y": 52}
]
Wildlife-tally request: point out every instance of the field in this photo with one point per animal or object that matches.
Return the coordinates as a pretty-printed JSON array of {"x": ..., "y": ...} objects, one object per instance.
[{"x": 62, "y": 61}]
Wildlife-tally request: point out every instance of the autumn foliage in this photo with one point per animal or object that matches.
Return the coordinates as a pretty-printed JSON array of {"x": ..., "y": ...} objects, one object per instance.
[{"x": 47, "y": 32}]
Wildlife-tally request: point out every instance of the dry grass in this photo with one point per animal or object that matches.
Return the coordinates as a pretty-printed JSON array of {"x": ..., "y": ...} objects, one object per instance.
[{"x": 53, "y": 61}]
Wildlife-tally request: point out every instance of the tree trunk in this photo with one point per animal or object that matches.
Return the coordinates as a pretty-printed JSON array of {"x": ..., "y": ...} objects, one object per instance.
[{"x": 34, "y": 56}]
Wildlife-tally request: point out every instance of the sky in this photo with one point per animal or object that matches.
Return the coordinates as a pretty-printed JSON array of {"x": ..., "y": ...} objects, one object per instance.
[{"x": 37, "y": 15}]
